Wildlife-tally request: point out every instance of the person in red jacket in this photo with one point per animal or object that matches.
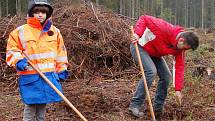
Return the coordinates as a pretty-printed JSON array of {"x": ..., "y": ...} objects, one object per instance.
[{"x": 157, "y": 38}]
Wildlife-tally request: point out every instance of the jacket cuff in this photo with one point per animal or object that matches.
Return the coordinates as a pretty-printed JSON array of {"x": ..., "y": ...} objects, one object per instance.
[{"x": 63, "y": 75}]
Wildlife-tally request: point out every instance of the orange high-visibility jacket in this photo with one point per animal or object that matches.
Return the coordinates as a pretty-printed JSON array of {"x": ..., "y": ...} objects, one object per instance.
[{"x": 45, "y": 49}]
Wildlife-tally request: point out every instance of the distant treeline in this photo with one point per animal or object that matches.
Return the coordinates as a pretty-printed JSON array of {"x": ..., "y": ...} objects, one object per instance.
[
  {"x": 12, "y": 7},
  {"x": 189, "y": 13}
]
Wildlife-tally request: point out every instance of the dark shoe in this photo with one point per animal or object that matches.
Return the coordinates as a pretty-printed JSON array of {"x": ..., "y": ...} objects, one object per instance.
[{"x": 136, "y": 112}]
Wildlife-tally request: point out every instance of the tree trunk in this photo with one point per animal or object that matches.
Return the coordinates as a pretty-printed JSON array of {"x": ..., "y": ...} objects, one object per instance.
[
  {"x": 129, "y": 8},
  {"x": 97, "y": 2},
  {"x": 137, "y": 8},
  {"x": 123, "y": 7},
  {"x": 132, "y": 8},
  {"x": 185, "y": 13},
  {"x": 161, "y": 4},
  {"x": 176, "y": 13},
  {"x": 18, "y": 7},
  {"x": 120, "y": 6},
  {"x": 0, "y": 9},
  {"x": 6, "y": 7},
  {"x": 202, "y": 14}
]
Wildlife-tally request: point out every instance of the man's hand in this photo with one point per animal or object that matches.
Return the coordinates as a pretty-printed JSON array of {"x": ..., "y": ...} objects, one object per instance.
[
  {"x": 178, "y": 97},
  {"x": 135, "y": 38}
]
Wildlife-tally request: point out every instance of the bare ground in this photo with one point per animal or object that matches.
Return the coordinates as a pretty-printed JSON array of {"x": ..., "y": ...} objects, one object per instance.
[{"x": 108, "y": 100}]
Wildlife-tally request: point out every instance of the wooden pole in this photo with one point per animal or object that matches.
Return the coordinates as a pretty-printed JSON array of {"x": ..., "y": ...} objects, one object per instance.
[
  {"x": 55, "y": 89},
  {"x": 144, "y": 78}
]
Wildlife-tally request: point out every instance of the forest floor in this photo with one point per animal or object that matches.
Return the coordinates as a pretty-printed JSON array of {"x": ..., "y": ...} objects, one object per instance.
[{"x": 108, "y": 100}]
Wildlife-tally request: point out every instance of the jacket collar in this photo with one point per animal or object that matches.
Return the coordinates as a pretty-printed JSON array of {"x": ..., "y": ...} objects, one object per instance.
[{"x": 35, "y": 23}]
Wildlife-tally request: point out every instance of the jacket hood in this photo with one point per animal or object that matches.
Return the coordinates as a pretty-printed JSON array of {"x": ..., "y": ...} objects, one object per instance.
[{"x": 33, "y": 3}]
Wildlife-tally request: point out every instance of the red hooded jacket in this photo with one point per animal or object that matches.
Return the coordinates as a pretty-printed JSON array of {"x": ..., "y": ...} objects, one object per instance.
[{"x": 162, "y": 42}]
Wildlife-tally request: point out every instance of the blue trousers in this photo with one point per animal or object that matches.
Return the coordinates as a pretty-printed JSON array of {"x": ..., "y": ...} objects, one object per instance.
[{"x": 152, "y": 67}]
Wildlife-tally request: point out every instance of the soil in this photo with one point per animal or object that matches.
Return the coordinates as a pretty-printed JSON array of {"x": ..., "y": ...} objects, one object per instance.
[{"x": 108, "y": 100}]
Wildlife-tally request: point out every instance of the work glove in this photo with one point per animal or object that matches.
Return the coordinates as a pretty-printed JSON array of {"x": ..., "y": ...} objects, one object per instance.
[
  {"x": 22, "y": 64},
  {"x": 178, "y": 97},
  {"x": 63, "y": 75},
  {"x": 135, "y": 38}
]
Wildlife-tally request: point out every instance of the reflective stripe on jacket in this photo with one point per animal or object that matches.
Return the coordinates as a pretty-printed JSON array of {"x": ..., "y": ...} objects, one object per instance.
[{"x": 158, "y": 38}]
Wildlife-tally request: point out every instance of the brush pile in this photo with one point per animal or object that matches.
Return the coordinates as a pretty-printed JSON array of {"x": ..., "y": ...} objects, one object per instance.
[{"x": 97, "y": 40}]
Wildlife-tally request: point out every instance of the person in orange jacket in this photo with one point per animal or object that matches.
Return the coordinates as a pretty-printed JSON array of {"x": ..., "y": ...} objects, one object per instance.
[{"x": 43, "y": 43}]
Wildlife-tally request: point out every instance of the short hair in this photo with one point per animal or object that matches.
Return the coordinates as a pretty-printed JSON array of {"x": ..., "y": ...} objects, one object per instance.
[
  {"x": 39, "y": 8},
  {"x": 191, "y": 39}
]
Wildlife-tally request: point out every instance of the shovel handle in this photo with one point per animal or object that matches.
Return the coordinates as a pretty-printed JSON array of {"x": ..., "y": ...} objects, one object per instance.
[
  {"x": 143, "y": 76},
  {"x": 53, "y": 87}
]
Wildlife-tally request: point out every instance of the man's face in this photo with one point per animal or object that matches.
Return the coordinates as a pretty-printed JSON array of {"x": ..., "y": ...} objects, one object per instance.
[
  {"x": 182, "y": 45},
  {"x": 40, "y": 16}
]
